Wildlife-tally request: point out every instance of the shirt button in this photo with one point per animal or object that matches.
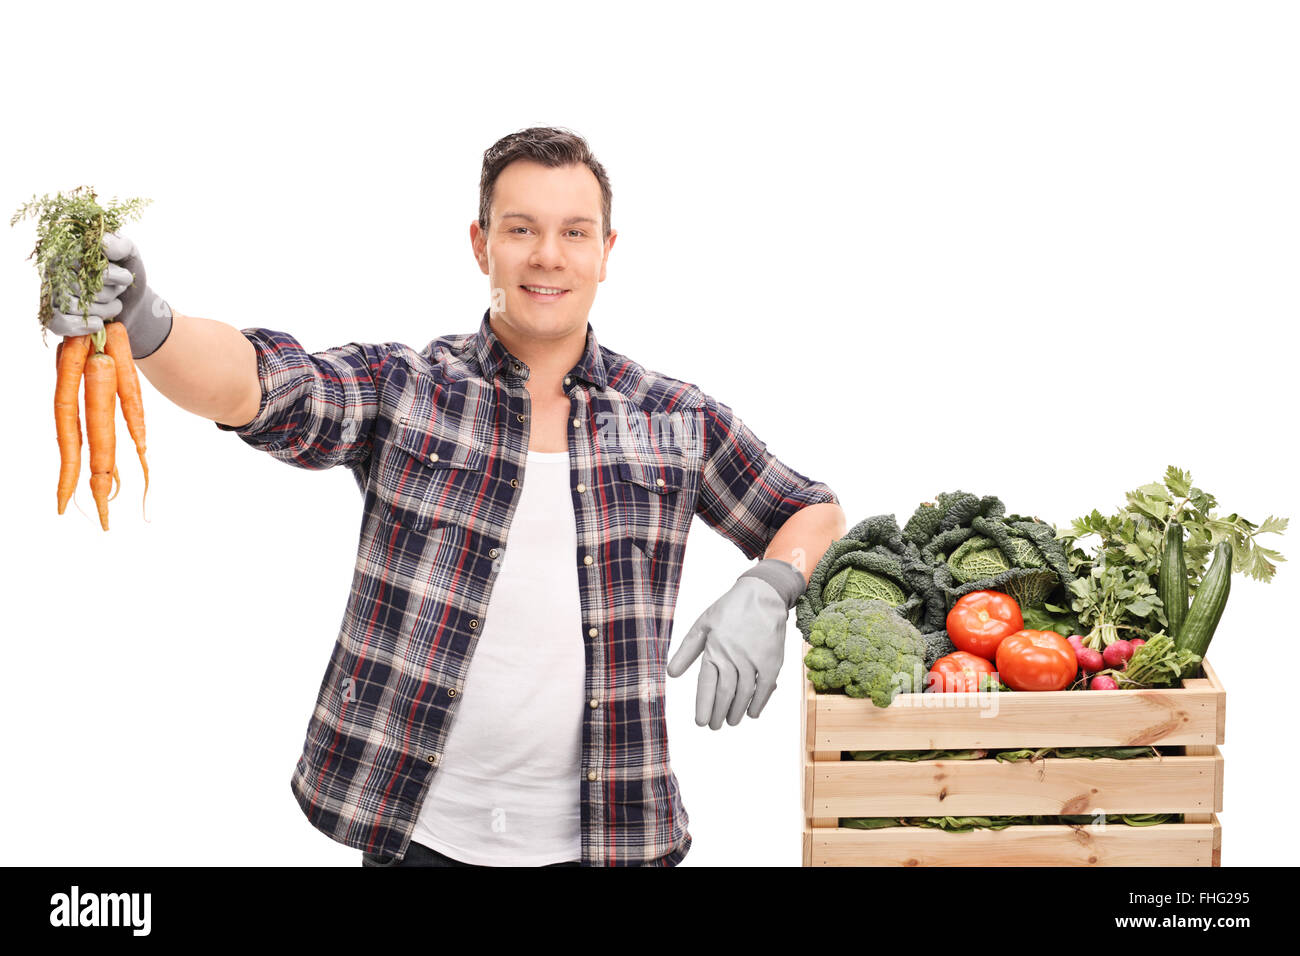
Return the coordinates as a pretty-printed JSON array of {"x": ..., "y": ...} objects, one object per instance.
[
  {"x": 594, "y": 703},
  {"x": 493, "y": 553},
  {"x": 592, "y": 632},
  {"x": 577, "y": 423},
  {"x": 581, "y": 487},
  {"x": 516, "y": 366},
  {"x": 587, "y": 560},
  {"x": 473, "y": 623},
  {"x": 433, "y": 458},
  {"x": 659, "y": 482},
  {"x": 567, "y": 380},
  {"x": 592, "y": 775},
  {"x": 432, "y": 758},
  {"x": 514, "y": 482},
  {"x": 451, "y": 692}
]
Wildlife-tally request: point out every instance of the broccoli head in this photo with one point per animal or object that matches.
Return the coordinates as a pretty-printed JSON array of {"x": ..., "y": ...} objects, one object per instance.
[{"x": 866, "y": 649}]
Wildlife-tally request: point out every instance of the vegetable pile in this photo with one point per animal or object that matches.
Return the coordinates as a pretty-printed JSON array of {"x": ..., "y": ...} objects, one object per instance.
[
  {"x": 962, "y": 544},
  {"x": 967, "y": 598},
  {"x": 70, "y": 259}
]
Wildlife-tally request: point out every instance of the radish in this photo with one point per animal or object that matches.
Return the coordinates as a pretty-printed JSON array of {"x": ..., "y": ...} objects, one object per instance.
[
  {"x": 1117, "y": 654},
  {"x": 1102, "y": 682},
  {"x": 1089, "y": 659}
]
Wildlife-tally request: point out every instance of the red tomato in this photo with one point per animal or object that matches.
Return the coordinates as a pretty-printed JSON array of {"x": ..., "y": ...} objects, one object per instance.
[
  {"x": 980, "y": 620},
  {"x": 958, "y": 673},
  {"x": 1036, "y": 660}
]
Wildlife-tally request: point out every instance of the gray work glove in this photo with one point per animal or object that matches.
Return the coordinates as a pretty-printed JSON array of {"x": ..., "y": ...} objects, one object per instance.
[
  {"x": 742, "y": 635},
  {"x": 125, "y": 296}
]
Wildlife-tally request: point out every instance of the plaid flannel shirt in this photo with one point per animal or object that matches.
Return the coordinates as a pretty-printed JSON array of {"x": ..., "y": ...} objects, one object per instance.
[{"x": 437, "y": 441}]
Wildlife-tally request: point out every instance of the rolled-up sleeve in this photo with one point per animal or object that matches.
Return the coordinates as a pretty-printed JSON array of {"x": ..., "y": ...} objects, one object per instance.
[
  {"x": 318, "y": 409},
  {"x": 746, "y": 493}
]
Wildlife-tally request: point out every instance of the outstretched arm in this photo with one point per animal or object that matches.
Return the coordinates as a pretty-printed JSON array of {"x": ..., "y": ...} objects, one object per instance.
[{"x": 206, "y": 367}]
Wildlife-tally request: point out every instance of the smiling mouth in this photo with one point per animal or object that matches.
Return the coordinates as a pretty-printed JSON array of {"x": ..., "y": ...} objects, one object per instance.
[{"x": 544, "y": 291}]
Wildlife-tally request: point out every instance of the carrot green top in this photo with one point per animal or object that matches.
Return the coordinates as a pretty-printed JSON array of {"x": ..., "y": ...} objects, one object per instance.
[{"x": 69, "y": 253}]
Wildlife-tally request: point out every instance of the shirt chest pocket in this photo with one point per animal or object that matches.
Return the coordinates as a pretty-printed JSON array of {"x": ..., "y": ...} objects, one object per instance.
[
  {"x": 652, "y": 497},
  {"x": 430, "y": 475}
]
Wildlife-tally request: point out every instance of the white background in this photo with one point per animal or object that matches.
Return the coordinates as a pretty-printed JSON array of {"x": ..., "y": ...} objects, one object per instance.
[{"x": 1036, "y": 250}]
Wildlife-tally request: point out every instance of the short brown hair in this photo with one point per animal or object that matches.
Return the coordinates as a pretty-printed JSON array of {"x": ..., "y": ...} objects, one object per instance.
[{"x": 550, "y": 146}]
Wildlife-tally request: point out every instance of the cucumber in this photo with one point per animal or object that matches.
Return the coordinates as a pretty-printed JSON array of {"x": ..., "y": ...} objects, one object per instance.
[
  {"x": 1207, "y": 606},
  {"x": 1172, "y": 583}
]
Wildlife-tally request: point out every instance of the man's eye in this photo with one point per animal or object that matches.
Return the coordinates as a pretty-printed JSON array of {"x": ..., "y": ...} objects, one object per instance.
[
  {"x": 517, "y": 228},
  {"x": 578, "y": 231}
]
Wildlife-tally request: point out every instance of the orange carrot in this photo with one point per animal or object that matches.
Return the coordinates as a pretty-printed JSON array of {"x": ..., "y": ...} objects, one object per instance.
[
  {"x": 101, "y": 404},
  {"x": 71, "y": 363},
  {"x": 118, "y": 345}
]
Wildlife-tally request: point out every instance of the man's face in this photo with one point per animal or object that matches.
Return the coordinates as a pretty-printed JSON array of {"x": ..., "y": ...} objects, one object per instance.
[{"x": 544, "y": 232}]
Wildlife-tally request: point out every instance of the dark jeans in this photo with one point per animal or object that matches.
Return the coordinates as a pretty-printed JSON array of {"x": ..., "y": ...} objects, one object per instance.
[{"x": 417, "y": 854}]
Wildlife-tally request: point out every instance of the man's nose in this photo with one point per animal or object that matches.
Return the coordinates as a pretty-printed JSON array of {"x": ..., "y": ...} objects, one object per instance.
[{"x": 548, "y": 252}]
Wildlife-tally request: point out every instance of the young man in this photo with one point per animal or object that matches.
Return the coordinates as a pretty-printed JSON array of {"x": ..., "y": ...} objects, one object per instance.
[{"x": 496, "y": 693}]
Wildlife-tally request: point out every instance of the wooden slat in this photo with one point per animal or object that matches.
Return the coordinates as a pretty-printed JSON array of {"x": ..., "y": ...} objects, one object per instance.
[
  {"x": 1222, "y": 705},
  {"x": 1204, "y": 816},
  {"x": 807, "y": 711},
  {"x": 1168, "y": 844},
  {"x": 1218, "y": 781},
  {"x": 931, "y": 788},
  {"x": 1121, "y": 718},
  {"x": 808, "y": 715},
  {"x": 1210, "y": 674}
]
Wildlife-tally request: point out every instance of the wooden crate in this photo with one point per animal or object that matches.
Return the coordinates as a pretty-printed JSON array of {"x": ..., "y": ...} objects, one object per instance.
[{"x": 1185, "y": 722}]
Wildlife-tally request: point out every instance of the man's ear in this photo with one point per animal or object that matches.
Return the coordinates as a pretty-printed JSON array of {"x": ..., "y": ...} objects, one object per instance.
[
  {"x": 609, "y": 244},
  {"x": 478, "y": 243}
]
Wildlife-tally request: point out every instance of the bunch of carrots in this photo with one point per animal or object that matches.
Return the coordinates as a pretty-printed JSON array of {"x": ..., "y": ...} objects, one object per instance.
[
  {"x": 109, "y": 372},
  {"x": 68, "y": 250}
]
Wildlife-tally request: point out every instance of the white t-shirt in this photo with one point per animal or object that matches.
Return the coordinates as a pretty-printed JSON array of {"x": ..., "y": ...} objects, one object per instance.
[{"x": 507, "y": 788}]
